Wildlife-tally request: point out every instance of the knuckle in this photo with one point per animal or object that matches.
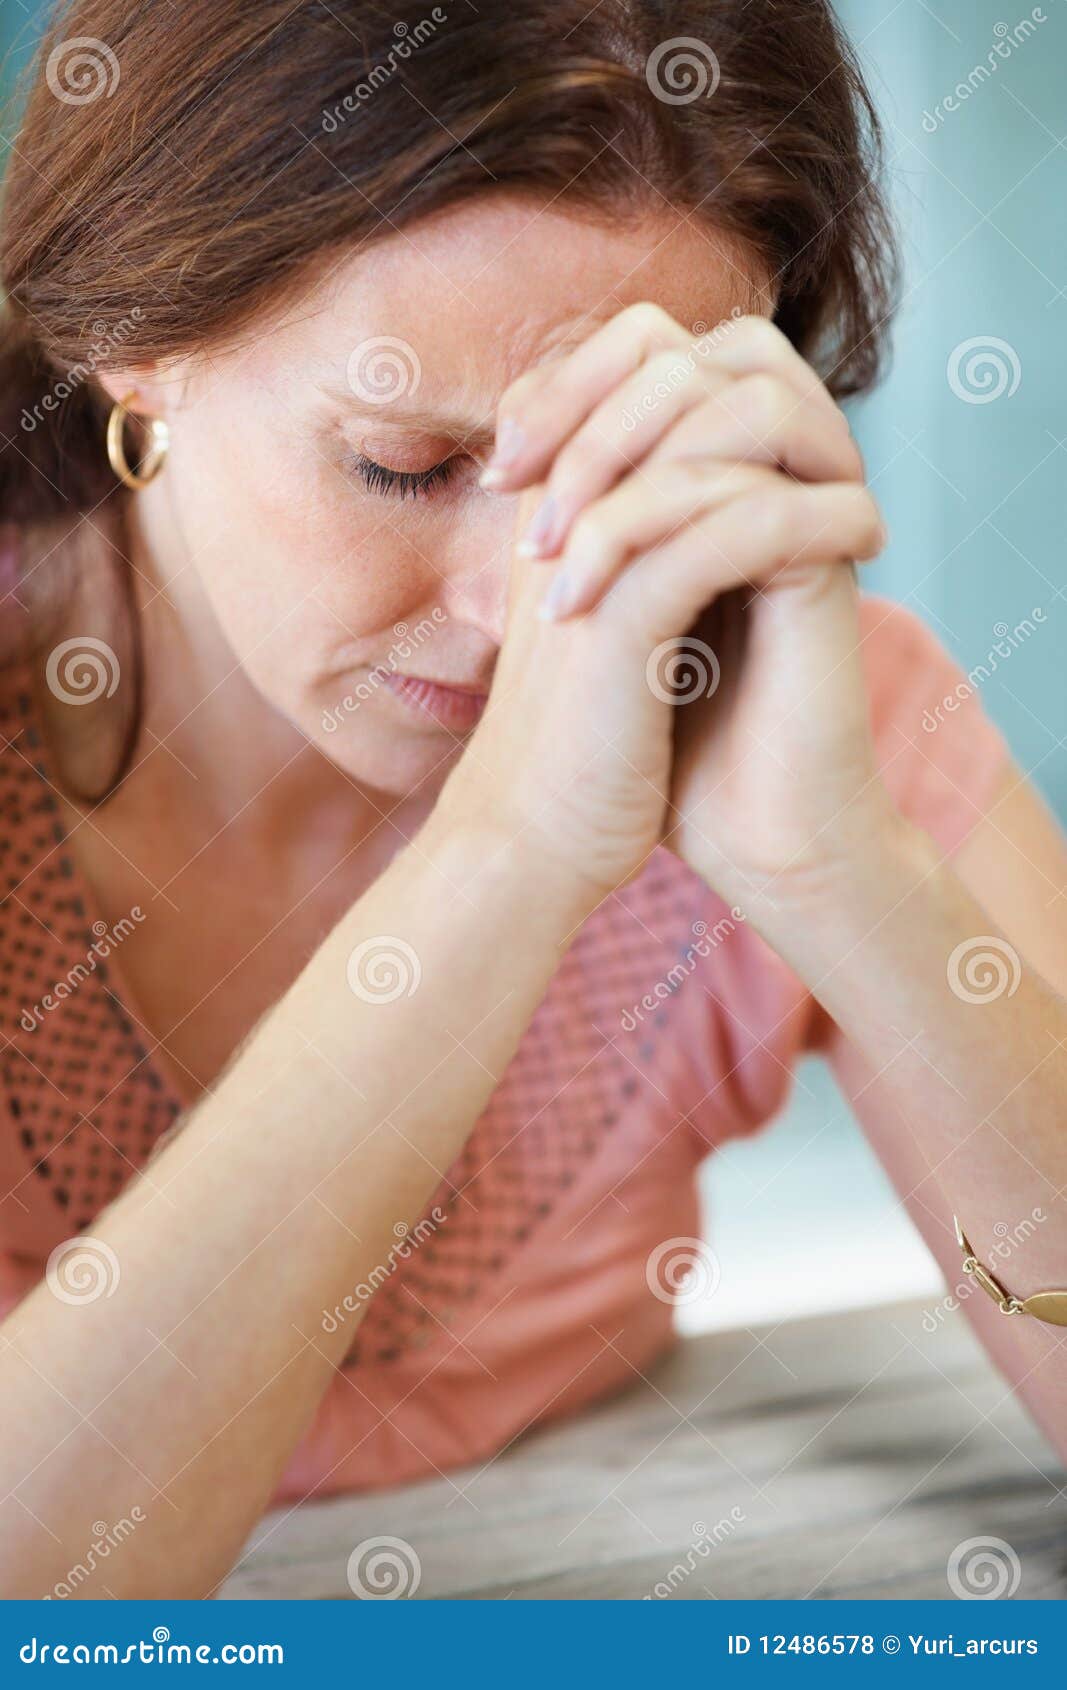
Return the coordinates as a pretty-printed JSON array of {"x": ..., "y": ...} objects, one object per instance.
[
  {"x": 869, "y": 524},
  {"x": 517, "y": 394},
  {"x": 593, "y": 533},
  {"x": 647, "y": 318},
  {"x": 762, "y": 400},
  {"x": 759, "y": 334},
  {"x": 586, "y": 458},
  {"x": 664, "y": 373}
]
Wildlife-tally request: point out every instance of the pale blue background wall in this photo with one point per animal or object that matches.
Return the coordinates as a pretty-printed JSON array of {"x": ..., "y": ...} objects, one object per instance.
[{"x": 974, "y": 493}]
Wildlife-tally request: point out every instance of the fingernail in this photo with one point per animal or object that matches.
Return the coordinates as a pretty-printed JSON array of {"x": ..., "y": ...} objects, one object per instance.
[
  {"x": 559, "y": 599},
  {"x": 507, "y": 447},
  {"x": 536, "y": 539}
]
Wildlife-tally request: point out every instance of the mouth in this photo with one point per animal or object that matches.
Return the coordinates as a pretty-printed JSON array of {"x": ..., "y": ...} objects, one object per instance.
[{"x": 456, "y": 708}]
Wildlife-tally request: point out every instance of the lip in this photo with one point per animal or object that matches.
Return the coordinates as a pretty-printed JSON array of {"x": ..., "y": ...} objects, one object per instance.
[{"x": 456, "y": 708}]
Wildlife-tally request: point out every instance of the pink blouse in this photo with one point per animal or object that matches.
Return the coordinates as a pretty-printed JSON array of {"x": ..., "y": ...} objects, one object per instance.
[{"x": 540, "y": 1277}]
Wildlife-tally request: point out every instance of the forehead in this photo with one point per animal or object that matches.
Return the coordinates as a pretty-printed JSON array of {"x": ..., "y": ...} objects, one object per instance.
[{"x": 484, "y": 290}]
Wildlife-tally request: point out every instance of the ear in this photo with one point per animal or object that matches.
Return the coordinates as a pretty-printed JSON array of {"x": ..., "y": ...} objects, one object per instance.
[{"x": 142, "y": 388}]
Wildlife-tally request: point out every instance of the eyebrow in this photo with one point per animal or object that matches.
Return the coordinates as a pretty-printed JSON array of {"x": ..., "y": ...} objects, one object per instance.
[{"x": 416, "y": 416}]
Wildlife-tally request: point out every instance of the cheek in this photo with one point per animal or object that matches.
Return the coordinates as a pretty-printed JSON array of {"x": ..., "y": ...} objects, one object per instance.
[{"x": 293, "y": 561}]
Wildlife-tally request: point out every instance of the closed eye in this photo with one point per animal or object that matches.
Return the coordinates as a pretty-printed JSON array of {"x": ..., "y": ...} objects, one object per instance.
[{"x": 401, "y": 483}]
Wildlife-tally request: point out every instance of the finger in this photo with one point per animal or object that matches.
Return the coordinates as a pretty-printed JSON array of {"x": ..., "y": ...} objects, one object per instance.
[
  {"x": 640, "y": 513},
  {"x": 744, "y": 346},
  {"x": 780, "y": 414},
  {"x": 753, "y": 540},
  {"x": 613, "y": 439},
  {"x": 762, "y": 419},
  {"x": 759, "y": 419},
  {"x": 533, "y": 423}
]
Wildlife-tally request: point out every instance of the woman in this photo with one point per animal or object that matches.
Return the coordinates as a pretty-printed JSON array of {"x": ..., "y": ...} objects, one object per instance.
[{"x": 438, "y": 679}]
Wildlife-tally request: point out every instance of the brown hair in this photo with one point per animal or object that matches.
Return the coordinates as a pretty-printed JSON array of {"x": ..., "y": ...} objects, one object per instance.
[{"x": 179, "y": 168}]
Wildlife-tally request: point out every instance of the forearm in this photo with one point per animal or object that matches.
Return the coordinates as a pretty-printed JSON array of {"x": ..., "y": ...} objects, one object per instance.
[
  {"x": 959, "y": 1083},
  {"x": 183, "y": 1393}
]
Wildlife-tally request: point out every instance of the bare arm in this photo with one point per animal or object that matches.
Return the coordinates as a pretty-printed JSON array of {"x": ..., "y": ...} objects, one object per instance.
[
  {"x": 183, "y": 1394},
  {"x": 963, "y": 1091}
]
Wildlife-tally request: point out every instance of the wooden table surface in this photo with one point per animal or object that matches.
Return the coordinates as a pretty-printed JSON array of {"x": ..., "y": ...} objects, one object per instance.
[{"x": 843, "y": 1456}]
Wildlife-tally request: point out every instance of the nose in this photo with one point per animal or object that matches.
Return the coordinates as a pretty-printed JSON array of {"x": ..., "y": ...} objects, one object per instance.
[{"x": 475, "y": 586}]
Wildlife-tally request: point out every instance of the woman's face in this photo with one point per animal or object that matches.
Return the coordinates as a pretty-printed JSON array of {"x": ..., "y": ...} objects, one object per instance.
[{"x": 320, "y": 505}]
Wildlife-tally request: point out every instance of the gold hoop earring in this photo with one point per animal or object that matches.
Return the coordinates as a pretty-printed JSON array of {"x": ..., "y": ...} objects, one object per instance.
[{"x": 152, "y": 462}]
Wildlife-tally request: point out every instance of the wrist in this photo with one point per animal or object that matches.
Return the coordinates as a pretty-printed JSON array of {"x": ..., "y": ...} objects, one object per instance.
[
  {"x": 826, "y": 904},
  {"x": 485, "y": 860}
]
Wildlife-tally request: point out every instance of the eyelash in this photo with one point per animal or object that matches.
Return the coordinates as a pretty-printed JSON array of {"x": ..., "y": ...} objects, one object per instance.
[{"x": 402, "y": 482}]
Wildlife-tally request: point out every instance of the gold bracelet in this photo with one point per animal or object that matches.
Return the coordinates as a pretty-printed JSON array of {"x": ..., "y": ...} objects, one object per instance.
[{"x": 1050, "y": 1306}]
